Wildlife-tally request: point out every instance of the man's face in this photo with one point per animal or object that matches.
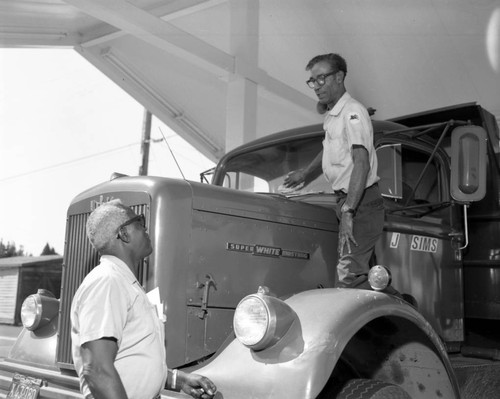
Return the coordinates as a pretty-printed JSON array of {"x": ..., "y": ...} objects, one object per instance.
[
  {"x": 332, "y": 89},
  {"x": 138, "y": 236}
]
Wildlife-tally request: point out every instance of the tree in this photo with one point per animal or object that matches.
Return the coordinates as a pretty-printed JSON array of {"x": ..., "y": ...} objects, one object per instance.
[
  {"x": 8, "y": 250},
  {"x": 48, "y": 250}
]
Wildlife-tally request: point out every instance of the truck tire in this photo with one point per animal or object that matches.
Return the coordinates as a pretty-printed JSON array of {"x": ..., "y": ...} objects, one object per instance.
[{"x": 371, "y": 389}]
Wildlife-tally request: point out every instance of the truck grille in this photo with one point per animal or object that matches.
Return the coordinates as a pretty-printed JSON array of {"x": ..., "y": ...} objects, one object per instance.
[{"x": 79, "y": 259}]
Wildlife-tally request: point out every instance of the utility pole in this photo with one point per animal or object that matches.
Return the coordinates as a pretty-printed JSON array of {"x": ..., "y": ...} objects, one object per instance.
[{"x": 146, "y": 140}]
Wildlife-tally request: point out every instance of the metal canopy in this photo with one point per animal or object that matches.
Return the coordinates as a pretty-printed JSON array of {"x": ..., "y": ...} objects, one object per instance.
[{"x": 222, "y": 72}]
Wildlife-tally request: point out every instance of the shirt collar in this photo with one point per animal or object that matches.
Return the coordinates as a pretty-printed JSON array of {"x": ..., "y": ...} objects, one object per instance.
[
  {"x": 335, "y": 111},
  {"x": 120, "y": 266}
]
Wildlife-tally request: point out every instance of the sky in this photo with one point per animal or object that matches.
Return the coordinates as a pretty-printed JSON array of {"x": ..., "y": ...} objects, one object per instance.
[{"x": 65, "y": 127}]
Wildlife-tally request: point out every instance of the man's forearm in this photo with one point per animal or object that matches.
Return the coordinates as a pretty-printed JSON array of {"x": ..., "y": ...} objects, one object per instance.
[
  {"x": 105, "y": 384},
  {"x": 99, "y": 371},
  {"x": 356, "y": 187},
  {"x": 315, "y": 164},
  {"x": 357, "y": 183}
]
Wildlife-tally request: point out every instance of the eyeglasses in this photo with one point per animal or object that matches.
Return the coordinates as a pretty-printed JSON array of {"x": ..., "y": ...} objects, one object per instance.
[
  {"x": 320, "y": 80},
  {"x": 139, "y": 218}
]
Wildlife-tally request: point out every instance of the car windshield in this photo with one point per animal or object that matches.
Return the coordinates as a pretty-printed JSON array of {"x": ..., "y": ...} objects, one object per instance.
[{"x": 264, "y": 170}]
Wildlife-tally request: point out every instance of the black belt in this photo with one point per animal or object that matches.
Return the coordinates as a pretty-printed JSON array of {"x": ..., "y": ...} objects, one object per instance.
[{"x": 342, "y": 193}]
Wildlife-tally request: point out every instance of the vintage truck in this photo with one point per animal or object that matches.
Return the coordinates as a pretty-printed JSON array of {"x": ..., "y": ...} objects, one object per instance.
[{"x": 246, "y": 268}]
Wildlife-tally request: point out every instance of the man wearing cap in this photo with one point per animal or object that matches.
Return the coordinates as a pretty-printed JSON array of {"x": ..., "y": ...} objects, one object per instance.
[
  {"x": 349, "y": 164},
  {"x": 117, "y": 337}
]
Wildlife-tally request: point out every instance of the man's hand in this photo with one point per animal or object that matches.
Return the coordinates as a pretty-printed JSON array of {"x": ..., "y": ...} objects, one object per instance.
[
  {"x": 196, "y": 385},
  {"x": 346, "y": 235},
  {"x": 294, "y": 178}
]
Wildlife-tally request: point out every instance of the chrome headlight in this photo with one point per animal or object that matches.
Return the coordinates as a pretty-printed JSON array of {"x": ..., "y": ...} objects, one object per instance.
[
  {"x": 39, "y": 309},
  {"x": 261, "y": 320},
  {"x": 379, "y": 277}
]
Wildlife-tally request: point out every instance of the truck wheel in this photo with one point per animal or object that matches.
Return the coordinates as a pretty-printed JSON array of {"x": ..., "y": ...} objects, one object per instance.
[{"x": 371, "y": 389}]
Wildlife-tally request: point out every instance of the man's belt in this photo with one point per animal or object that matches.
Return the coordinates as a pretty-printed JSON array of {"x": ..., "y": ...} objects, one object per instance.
[{"x": 342, "y": 193}]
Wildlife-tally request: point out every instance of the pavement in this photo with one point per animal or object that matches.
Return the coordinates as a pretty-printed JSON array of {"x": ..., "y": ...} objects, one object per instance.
[
  {"x": 478, "y": 372},
  {"x": 477, "y": 378}
]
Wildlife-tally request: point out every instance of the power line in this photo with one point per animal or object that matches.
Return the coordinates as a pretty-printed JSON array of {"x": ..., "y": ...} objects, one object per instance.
[{"x": 68, "y": 162}]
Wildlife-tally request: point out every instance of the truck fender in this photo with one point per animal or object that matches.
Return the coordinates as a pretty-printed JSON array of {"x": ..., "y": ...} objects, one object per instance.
[
  {"x": 37, "y": 347},
  {"x": 371, "y": 334}
]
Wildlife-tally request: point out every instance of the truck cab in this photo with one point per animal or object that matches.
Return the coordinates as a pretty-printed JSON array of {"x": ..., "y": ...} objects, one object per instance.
[{"x": 216, "y": 244}]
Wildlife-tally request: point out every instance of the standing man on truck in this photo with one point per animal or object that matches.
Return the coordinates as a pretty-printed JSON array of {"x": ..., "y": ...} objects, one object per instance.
[
  {"x": 349, "y": 163},
  {"x": 117, "y": 336}
]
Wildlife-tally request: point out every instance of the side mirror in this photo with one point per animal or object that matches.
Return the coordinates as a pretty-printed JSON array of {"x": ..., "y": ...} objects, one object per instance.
[{"x": 468, "y": 163}]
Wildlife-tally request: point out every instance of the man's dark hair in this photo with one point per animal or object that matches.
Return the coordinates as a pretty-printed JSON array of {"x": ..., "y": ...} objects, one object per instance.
[{"x": 336, "y": 62}]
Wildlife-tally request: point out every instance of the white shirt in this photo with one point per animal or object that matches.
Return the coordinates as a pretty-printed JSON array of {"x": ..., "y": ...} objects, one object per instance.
[
  {"x": 347, "y": 124},
  {"x": 110, "y": 302}
]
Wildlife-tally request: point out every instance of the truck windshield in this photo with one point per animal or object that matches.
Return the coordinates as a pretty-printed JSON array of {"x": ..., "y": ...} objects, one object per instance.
[
  {"x": 264, "y": 169},
  {"x": 407, "y": 179}
]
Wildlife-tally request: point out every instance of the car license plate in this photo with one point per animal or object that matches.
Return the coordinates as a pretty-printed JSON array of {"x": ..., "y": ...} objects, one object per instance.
[{"x": 24, "y": 387}]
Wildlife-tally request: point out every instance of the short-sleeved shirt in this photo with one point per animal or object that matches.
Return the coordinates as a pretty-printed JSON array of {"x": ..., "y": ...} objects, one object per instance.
[
  {"x": 110, "y": 302},
  {"x": 347, "y": 124}
]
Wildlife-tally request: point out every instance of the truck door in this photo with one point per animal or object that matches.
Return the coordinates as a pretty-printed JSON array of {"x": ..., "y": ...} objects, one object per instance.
[{"x": 417, "y": 242}]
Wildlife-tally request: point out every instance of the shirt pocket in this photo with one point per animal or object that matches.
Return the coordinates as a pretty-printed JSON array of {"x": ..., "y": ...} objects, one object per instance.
[
  {"x": 144, "y": 312},
  {"x": 336, "y": 150}
]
